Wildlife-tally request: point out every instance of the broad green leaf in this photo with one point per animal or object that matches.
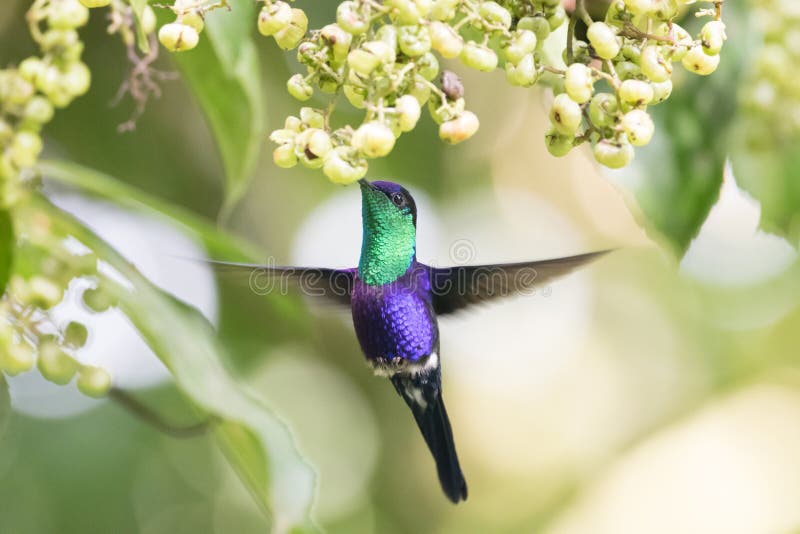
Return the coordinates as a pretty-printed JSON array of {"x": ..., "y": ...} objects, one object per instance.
[
  {"x": 257, "y": 444},
  {"x": 92, "y": 182},
  {"x": 6, "y": 248},
  {"x": 141, "y": 38},
  {"x": 5, "y": 404},
  {"x": 771, "y": 173},
  {"x": 224, "y": 74}
]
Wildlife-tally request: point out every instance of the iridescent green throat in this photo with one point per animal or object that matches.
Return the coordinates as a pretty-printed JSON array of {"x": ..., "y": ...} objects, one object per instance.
[{"x": 389, "y": 242}]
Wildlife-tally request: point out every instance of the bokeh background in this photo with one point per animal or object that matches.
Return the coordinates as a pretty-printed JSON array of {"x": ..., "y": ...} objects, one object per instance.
[{"x": 644, "y": 394}]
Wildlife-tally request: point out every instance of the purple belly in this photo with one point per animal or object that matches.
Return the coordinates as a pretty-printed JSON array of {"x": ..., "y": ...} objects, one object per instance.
[{"x": 396, "y": 321}]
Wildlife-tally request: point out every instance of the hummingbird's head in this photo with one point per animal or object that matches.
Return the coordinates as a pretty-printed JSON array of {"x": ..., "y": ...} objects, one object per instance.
[
  {"x": 389, "y": 219},
  {"x": 387, "y": 201}
]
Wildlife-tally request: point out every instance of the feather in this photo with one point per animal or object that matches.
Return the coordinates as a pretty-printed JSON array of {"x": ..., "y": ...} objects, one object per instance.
[{"x": 457, "y": 288}]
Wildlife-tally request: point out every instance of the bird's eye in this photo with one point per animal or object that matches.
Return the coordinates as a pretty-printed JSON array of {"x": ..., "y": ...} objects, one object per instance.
[{"x": 398, "y": 199}]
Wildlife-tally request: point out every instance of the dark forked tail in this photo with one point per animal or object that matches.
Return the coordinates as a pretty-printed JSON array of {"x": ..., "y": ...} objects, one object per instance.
[{"x": 423, "y": 394}]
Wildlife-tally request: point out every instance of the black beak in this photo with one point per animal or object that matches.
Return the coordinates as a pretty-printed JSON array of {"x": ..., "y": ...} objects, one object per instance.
[{"x": 365, "y": 184}]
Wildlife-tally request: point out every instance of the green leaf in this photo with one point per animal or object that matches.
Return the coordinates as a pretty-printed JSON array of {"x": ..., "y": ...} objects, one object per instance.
[
  {"x": 5, "y": 404},
  {"x": 256, "y": 443},
  {"x": 224, "y": 74},
  {"x": 141, "y": 37},
  {"x": 771, "y": 173},
  {"x": 89, "y": 181},
  {"x": 6, "y": 248}
]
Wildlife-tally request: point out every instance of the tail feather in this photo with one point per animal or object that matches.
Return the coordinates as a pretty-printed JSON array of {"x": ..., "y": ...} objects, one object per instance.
[{"x": 423, "y": 394}]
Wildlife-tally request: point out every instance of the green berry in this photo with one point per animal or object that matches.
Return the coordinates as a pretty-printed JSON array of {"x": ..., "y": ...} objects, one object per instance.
[
  {"x": 627, "y": 70},
  {"x": 148, "y": 20},
  {"x": 294, "y": 124},
  {"x": 54, "y": 364},
  {"x": 640, "y": 7},
  {"x": 95, "y": 3},
  {"x": 373, "y": 139},
  {"x": 193, "y": 18},
  {"x": 638, "y": 126},
  {"x": 343, "y": 166},
  {"x": 478, "y": 57},
  {"x": 636, "y": 92},
  {"x": 654, "y": 65},
  {"x": 370, "y": 56},
  {"x": 76, "y": 79},
  {"x": 312, "y": 118},
  {"x": 420, "y": 90},
  {"x": 558, "y": 18},
  {"x": 178, "y": 37},
  {"x": 444, "y": 9},
  {"x": 408, "y": 112},
  {"x": 495, "y": 15},
  {"x": 39, "y": 110},
  {"x": 75, "y": 335},
  {"x": 558, "y": 145},
  {"x": 603, "y": 110},
  {"x": 318, "y": 142},
  {"x": 16, "y": 358},
  {"x": 578, "y": 83},
  {"x": 524, "y": 73},
  {"x": 290, "y": 36},
  {"x": 31, "y": 68},
  {"x": 428, "y": 66},
  {"x": 445, "y": 40},
  {"x": 283, "y": 136},
  {"x": 355, "y": 95},
  {"x": 273, "y": 18},
  {"x": 404, "y": 11},
  {"x": 565, "y": 114},
  {"x": 459, "y": 129},
  {"x": 413, "y": 40},
  {"x": 603, "y": 40},
  {"x": 299, "y": 88},
  {"x": 97, "y": 299},
  {"x": 338, "y": 39},
  {"x": 351, "y": 19},
  {"x": 25, "y": 149},
  {"x": 613, "y": 154},
  {"x": 661, "y": 91},
  {"x": 284, "y": 156},
  {"x": 67, "y": 14},
  {"x": 712, "y": 37},
  {"x": 538, "y": 25},
  {"x": 697, "y": 61},
  {"x": 522, "y": 43},
  {"x": 94, "y": 381},
  {"x": 55, "y": 40}
]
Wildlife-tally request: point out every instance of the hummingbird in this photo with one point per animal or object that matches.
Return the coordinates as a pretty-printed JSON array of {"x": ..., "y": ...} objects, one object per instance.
[{"x": 395, "y": 301}]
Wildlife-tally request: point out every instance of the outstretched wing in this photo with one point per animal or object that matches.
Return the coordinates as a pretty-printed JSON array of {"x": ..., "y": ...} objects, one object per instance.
[
  {"x": 332, "y": 285},
  {"x": 456, "y": 288}
]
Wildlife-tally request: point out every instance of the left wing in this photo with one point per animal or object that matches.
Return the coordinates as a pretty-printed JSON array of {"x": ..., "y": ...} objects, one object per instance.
[
  {"x": 334, "y": 285},
  {"x": 456, "y": 288}
]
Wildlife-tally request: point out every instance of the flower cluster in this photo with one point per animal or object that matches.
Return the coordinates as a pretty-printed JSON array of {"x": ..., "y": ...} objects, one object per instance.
[
  {"x": 28, "y": 336},
  {"x": 184, "y": 33},
  {"x": 632, "y": 53},
  {"x": 30, "y": 92},
  {"x": 29, "y": 95},
  {"x": 383, "y": 55}
]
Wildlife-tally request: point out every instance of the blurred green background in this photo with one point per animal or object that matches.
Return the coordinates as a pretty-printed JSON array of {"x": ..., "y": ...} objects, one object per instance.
[{"x": 645, "y": 394}]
